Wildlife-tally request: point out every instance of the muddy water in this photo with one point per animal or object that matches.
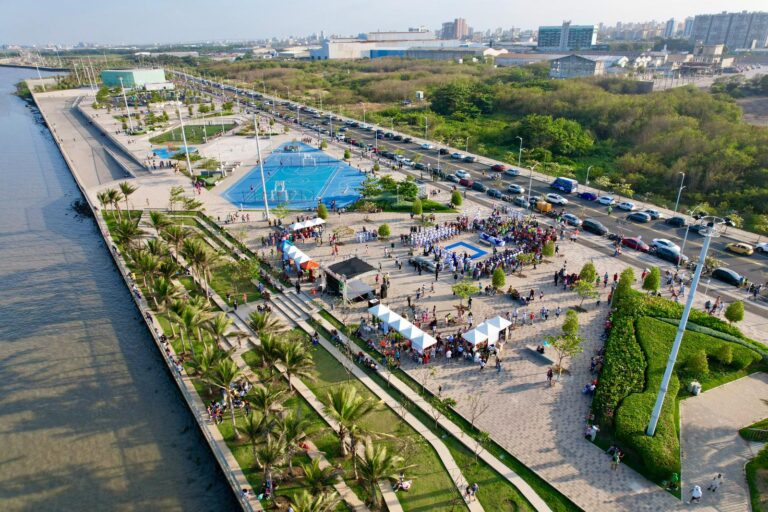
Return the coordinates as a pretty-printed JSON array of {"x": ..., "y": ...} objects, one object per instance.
[{"x": 89, "y": 417}]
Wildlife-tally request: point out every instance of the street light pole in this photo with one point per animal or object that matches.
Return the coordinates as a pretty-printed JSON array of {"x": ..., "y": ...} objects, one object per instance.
[
  {"x": 261, "y": 170},
  {"x": 530, "y": 183},
  {"x": 520, "y": 153},
  {"x": 466, "y": 150},
  {"x": 184, "y": 139},
  {"x": 651, "y": 430},
  {"x": 679, "y": 192},
  {"x": 426, "y": 124},
  {"x": 587, "y": 180},
  {"x": 130, "y": 121}
]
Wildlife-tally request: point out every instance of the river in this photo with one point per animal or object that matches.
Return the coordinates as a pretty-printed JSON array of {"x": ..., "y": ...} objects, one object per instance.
[{"x": 89, "y": 416}]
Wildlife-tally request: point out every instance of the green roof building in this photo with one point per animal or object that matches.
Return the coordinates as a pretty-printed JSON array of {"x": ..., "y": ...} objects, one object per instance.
[{"x": 132, "y": 78}]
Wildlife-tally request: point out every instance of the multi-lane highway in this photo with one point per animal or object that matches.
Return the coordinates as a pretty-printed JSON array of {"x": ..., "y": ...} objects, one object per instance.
[{"x": 754, "y": 268}]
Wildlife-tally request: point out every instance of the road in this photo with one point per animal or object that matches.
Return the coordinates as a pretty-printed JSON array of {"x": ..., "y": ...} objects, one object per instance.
[{"x": 754, "y": 268}]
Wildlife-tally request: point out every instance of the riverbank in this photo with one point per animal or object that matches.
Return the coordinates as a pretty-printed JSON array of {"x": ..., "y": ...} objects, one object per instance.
[{"x": 235, "y": 478}]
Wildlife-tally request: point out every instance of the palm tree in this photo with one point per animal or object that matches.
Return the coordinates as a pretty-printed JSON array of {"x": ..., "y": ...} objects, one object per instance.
[
  {"x": 168, "y": 268},
  {"x": 159, "y": 221},
  {"x": 175, "y": 309},
  {"x": 157, "y": 247},
  {"x": 113, "y": 197},
  {"x": 265, "y": 323},
  {"x": 175, "y": 235},
  {"x": 223, "y": 376},
  {"x": 293, "y": 429},
  {"x": 377, "y": 463},
  {"x": 306, "y": 502},
  {"x": 253, "y": 427},
  {"x": 127, "y": 189},
  {"x": 266, "y": 399},
  {"x": 200, "y": 259},
  {"x": 296, "y": 361},
  {"x": 267, "y": 352},
  {"x": 147, "y": 264},
  {"x": 219, "y": 327},
  {"x": 191, "y": 320},
  {"x": 104, "y": 200},
  {"x": 318, "y": 479},
  {"x": 348, "y": 408},
  {"x": 164, "y": 292},
  {"x": 205, "y": 362},
  {"x": 127, "y": 232},
  {"x": 270, "y": 455}
]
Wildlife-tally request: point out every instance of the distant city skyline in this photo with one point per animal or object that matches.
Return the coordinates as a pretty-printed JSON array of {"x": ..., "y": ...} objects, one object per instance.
[{"x": 173, "y": 21}]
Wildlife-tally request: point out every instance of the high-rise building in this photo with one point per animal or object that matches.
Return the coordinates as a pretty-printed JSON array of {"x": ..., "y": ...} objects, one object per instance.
[
  {"x": 688, "y": 27},
  {"x": 447, "y": 30},
  {"x": 456, "y": 29},
  {"x": 734, "y": 30},
  {"x": 669, "y": 29},
  {"x": 567, "y": 37}
]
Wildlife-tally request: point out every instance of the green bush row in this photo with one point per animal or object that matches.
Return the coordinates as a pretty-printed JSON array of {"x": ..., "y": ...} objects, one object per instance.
[{"x": 720, "y": 335}]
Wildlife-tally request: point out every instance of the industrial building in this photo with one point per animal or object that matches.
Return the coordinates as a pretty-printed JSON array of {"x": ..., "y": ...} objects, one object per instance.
[
  {"x": 567, "y": 37},
  {"x": 524, "y": 59},
  {"x": 380, "y": 44},
  {"x": 132, "y": 78},
  {"x": 740, "y": 30},
  {"x": 576, "y": 66}
]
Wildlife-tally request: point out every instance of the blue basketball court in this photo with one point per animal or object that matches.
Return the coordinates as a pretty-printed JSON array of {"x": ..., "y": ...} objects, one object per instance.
[
  {"x": 471, "y": 250},
  {"x": 298, "y": 175}
]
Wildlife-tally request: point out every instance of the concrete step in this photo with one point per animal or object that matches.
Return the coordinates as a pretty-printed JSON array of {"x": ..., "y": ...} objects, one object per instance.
[
  {"x": 299, "y": 303},
  {"x": 288, "y": 309}
]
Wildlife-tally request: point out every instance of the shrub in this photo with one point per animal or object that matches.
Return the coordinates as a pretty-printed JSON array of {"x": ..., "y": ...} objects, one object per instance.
[
  {"x": 571, "y": 323},
  {"x": 588, "y": 272},
  {"x": 499, "y": 279},
  {"x": 735, "y": 312},
  {"x": 652, "y": 281},
  {"x": 624, "y": 287},
  {"x": 417, "y": 208},
  {"x": 347, "y": 154},
  {"x": 384, "y": 231},
  {"x": 724, "y": 355},
  {"x": 322, "y": 211},
  {"x": 456, "y": 198},
  {"x": 549, "y": 249},
  {"x": 697, "y": 365}
]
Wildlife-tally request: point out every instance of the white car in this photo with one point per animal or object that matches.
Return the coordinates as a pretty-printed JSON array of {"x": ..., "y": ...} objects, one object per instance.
[
  {"x": 408, "y": 162},
  {"x": 462, "y": 174},
  {"x": 663, "y": 242},
  {"x": 427, "y": 146},
  {"x": 606, "y": 200},
  {"x": 457, "y": 156},
  {"x": 627, "y": 206},
  {"x": 762, "y": 248},
  {"x": 556, "y": 199},
  {"x": 512, "y": 172},
  {"x": 515, "y": 189}
]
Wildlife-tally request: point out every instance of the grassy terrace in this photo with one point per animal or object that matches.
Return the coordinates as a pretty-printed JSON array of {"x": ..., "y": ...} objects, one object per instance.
[
  {"x": 757, "y": 471},
  {"x": 196, "y": 134}
]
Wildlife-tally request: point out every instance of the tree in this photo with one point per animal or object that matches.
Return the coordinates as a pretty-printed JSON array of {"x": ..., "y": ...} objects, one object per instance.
[
  {"x": 565, "y": 346},
  {"x": 384, "y": 231},
  {"x": 267, "y": 399},
  {"x": 724, "y": 354},
  {"x": 377, "y": 463},
  {"x": 735, "y": 220},
  {"x": 175, "y": 196},
  {"x": 456, "y": 198},
  {"x": 624, "y": 286},
  {"x": 585, "y": 290},
  {"x": 417, "y": 208},
  {"x": 164, "y": 292},
  {"x": 347, "y": 154},
  {"x": 293, "y": 429},
  {"x": 440, "y": 406},
  {"x": 323, "y": 144},
  {"x": 296, "y": 361},
  {"x": 253, "y": 427},
  {"x": 652, "y": 281},
  {"x": 114, "y": 197},
  {"x": 175, "y": 235},
  {"x": 482, "y": 440},
  {"x": 264, "y": 323},
  {"x": 220, "y": 326},
  {"x": 270, "y": 454},
  {"x": 347, "y": 408},
  {"x": 306, "y": 502},
  {"x": 318, "y": 479},
  {"x": 370, "y": 187},
  {"x": 322, "y": 211},
  {"x": 280, "y": 211},
  {"x": 602, "y": 182},
  {"x": 735, "y": 312},
  {"x": 697, "y": 365},
  {"x": 499, "y": 279},
  {"x": 223, "y": 377},
  {"x": 159, "y": 221},
  {"x": 267, "y": 352},
  {"x": 126, "y": 232},
  {"x": 571, "y": 323},
  {"x": 549, "y": 249},
  {"x": 464, "y": 289},
  {"x": 588, "y": 272},
  {"x": 760, "y": 222},
  {"x": 204, "y": 363},
  {"x": 478, "y": 405}
]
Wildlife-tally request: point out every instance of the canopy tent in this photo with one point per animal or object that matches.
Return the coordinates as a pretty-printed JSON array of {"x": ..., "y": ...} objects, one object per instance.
[
  {"x": 306, "y": 224},
  {"x": 410, "y": 331},
  {"x": 310, "y": 265},
  {"x": 422, "y": 341},
  {"x": 378, "y": 310},
  {"x": 474, "y": 337},
  {"x": 399, "y": 323},
  {"x": 499, "y": 323},
  {"x": 489, "y": 331},
  {"x": 388, "y": 316}
]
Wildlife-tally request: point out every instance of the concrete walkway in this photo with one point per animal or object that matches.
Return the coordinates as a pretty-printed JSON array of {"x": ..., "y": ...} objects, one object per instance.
[{"x": 711, "y": 443}]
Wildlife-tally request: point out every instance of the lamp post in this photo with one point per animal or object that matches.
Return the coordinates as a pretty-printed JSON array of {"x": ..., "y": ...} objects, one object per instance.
[
  {"x": 466, "y": 149},
  {"x": 679, "y": 192},
  {"x": 520, "y": 153},
  {"x": 586, "y": 181},
  {"x": 426, "y": 124},
  {"x": 530, "y": 183},
  {"x": 184, "y": 139},
  {"x": 261, "y": 170},
  {"x": 125, "y": 99},
  {"x": 712, "y": 224}
]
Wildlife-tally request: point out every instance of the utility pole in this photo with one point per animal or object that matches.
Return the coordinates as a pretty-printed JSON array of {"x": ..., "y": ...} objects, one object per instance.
[
  {"x": 125, "y": 99},
  {"x": 184, "y": 139},
  {"x": 679, "y": 192},
  {"x": 520, "y": 153},
  {"x": 261, "y": 170}
]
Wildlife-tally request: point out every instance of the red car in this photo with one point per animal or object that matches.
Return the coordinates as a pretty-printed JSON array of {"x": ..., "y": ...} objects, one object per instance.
[
  {"x": 636, "y": 244},
  {"x": 466, "y": 182},
  {"x": 498, "y": 168}
]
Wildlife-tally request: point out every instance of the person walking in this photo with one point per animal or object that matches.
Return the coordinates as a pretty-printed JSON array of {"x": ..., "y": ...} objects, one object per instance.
[
  {"x": 498, "y": 365},
  {"x": 716, "y": 482},
  {"x": 616, "y": 460},
  {"x": 550, "y": 374},
  {"x": 695, "y": 495}
]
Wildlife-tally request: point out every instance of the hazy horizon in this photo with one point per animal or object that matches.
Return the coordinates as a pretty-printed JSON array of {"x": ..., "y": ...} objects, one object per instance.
[{"x": 144, "y": 22}]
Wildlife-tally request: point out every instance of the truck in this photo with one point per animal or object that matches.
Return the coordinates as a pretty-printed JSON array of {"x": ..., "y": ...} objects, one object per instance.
[{"x": 565, "y": 185}]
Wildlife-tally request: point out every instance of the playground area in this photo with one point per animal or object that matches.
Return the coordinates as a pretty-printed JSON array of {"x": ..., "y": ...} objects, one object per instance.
[{"x": 298, "y": 175}]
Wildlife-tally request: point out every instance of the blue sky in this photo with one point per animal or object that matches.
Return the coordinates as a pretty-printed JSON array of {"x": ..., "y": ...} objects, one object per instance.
[{"x": 161, "y": 21}]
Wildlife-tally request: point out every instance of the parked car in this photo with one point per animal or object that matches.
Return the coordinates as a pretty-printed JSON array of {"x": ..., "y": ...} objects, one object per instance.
[
  {"x": 653, "y": 214},
  {"x": 466, "y": 182},
  {"x": 670, "y": 254},
  {"x": 470, "y": 159},
  {"x": 762, "y": 248},
  {"x": 635, "y": 243},
  {"x": 729, "y": 276},
  {"x": 627, "y": 206},
  {"x": 572, "y": 220},
  {"x": 420, "y": 166},
  {"x": 498, "y": 168},
  {"x": 512, "y": 172},
  {"x": 427, "y": 263},
  {"x": 521, "y": 202},
  {"x": 606, "y": 200},
  {"x": 452, "y": 178},
  {"x": 479, "y": 187},
  {"x": 740, "y": 248},
  {"x": 594, "y": 226},
  {"x": 407, "y": 139},
  {"x": 663, "y": 242},
  {"x": 457, "y": 156},
  {"x": 515, "y": 189},
  {"x": 639, "y": 217},
  {"x": 408, "y": 162},
  {"x": 676, "y": 221},
  {"x": 443, "y": 151},
  {"x": 461, "y": 173},
  {"x": 556, "y": 199},
  {"x": 427, "y": 146},
  {"x": 494, "y": 192},
  {"x": 588, "y": 196},
  {"x": 397, "y": 137}
]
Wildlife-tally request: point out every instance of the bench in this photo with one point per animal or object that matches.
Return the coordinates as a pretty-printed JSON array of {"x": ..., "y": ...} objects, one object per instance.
[{"x": 543, "y": 356}]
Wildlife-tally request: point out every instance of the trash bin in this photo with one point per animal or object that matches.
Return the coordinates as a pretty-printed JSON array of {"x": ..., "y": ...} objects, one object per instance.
[{"x": 695, "y": 388}]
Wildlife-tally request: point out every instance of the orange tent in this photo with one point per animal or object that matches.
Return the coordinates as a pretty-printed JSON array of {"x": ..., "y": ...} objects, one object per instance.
[{"x": 310, "y": 265}]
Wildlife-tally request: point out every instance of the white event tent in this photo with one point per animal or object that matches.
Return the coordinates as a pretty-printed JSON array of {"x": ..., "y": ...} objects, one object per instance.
[
  {"x": 307, "y": 224},
  {"x": 419, "y": 339}
]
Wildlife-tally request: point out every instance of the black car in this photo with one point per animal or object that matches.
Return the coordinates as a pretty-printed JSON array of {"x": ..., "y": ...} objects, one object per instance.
[
  {"x": 594, "y": 226},
  {"x": 388, "y": 154},
  {"x": 479, "y": 187},
  {"x": 397, "y": 137},
  {"x": 639, "y": 217},
  {"x": 521, "y": 201},
  {"x": 494, "y": 192},
  {"x": 443, "y": 151},
  {"x": 452, "y": 178},
  {"x": 419, "y": 166},
  {"x": 407, "y": 139},
  {"x": 671, "y": 255},
  {"x": 676, "y": 222},
  {"x": 729, "y": 276}
]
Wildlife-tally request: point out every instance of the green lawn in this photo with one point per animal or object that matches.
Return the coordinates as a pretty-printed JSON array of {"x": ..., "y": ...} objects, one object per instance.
[
  {"x": 194, "y": 133},
  {"x": 757, "y": 472}
]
